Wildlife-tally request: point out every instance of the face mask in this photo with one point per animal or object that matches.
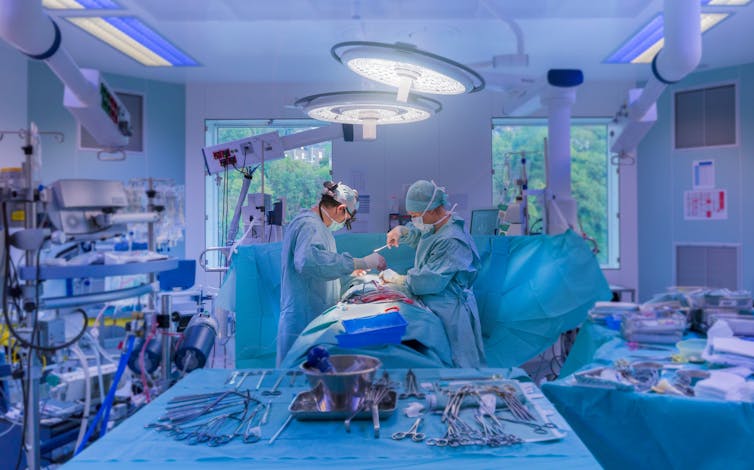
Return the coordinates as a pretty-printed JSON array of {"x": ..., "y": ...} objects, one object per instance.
[
  {"x": 418, "y": 222},
  {"x": 335, "y": 225}
]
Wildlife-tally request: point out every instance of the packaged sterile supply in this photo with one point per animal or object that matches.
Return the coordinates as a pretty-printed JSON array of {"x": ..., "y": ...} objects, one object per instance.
[
  {"x": 611, "y": 313},
  {"x": 740, "y": 300},
  {"x": 664, "y": 326}
]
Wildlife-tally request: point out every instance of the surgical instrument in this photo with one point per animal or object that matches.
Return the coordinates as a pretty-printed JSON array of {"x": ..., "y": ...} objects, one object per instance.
[
  {"x": 274, "y": 390},
  {"x": 293, "y": 374},
  {"x": 538, "y": 428},
  {"x": 232, "y": 378},
  {"x": 254, "y": 433},
  {"x": 266, "y": 414},
  {"x": 242, "y": 379},
  {"x": 261, "y": 379},
  {"x": 411, "y": 388},
  {"x": 413, "y": 432},
  {"x": 377, "y": 250},
  {"x": 285, "y": 424},
  {"x": 518, "y": 409}
]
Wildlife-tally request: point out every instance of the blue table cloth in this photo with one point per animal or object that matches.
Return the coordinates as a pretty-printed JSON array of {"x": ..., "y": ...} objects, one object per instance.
[
  {"x": 629, "y": 430},
  {"x": 319, "y": 444}
]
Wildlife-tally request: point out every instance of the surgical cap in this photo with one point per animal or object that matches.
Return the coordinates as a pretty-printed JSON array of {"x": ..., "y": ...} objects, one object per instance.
[
  {"x": 419, "y": 196},
  {"x": 345, "y": 195}
]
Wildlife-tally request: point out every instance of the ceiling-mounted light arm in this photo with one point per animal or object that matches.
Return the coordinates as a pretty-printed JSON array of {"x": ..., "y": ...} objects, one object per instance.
[
  {"x": 407, "y": 68},
  {"x": 515, "y": 28}
]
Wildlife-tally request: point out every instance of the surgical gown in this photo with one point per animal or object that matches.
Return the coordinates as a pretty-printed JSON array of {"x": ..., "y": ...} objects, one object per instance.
[
  {"x": 311, "y": 272},
  {"x": 445, "y": 268}
]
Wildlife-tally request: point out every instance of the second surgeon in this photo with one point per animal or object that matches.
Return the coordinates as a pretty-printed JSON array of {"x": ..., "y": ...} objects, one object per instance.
[{"x": 444, "y": 270}]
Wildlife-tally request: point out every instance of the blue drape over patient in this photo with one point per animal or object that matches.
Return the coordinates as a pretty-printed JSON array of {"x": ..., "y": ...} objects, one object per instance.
[{"x": 528, "y": 290}]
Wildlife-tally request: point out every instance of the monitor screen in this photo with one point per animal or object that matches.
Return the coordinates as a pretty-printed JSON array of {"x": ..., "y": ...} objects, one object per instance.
[{"x": 484, "y": 222}]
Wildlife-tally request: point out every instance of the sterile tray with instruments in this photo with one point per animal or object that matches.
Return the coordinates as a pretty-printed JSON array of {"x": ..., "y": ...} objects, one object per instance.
[
  {"x": 512, "y": 406},
  {"x": 315, "y": 405}
]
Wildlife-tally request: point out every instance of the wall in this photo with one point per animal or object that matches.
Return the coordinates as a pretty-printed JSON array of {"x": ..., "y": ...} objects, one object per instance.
[
  {"x": 13, "y": 115},
  {"x": 453, "y": 148},
  {"x": 164, "y": 136},
  {"x": 664, "y": 174}
]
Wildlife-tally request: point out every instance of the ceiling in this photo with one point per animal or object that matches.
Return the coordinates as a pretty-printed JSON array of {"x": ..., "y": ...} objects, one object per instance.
[{"x": 289, "y": 40}]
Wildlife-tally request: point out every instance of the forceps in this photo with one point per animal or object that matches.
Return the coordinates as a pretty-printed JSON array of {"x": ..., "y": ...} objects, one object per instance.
[
  {"x": 261, "y": 379},
  {"x": 411, "y": 389},
  {"x": 413, "y": 432},
  {"x": 536, "y": 427},
  {"x": 274, "y": 391}
]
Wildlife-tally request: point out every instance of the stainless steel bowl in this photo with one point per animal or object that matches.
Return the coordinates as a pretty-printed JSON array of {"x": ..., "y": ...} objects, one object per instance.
[{"x": 343, "y": 388}]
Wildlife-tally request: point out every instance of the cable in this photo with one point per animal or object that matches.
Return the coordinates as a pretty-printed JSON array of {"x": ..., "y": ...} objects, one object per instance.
[
  {"x": 37, "y": 347},
  {"x": 6, "y": 316},
  {"x": 87, "y": 391},
  {"x": 10, "y": 428},
  {"x": 152, "y": 332},
  {"x": 98, "y": 360},
  {"x": 105, "y": 408}
]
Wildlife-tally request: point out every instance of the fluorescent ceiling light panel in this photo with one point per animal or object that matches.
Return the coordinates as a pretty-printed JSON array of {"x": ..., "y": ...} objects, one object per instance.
[
  {"x": 80, "y": 5},
  {"x": 726, "y": 3},
  {"x": 642, "y": 47},
  {"x": 135, "y": 39}
]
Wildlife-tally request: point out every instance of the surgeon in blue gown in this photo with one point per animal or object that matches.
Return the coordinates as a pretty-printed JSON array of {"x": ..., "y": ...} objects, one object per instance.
[
  {"x": 445, "y": 268},
  {"x": 311, "y": 265}
]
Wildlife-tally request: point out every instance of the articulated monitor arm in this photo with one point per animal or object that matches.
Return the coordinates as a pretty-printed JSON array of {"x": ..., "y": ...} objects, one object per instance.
[{"x": 25, "y": 26}]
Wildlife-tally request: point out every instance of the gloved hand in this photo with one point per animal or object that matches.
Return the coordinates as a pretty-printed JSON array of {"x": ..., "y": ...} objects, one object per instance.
[
  {"x": 392, "y": 277},
  {"x": 373, "y": 261},
  {"x": 395, "y": 234}
]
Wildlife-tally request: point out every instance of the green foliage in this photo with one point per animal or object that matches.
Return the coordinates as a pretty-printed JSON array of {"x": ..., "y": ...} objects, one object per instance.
[
  {"x": 298, "y": 177},
  {"x": 589, "y": 173}
]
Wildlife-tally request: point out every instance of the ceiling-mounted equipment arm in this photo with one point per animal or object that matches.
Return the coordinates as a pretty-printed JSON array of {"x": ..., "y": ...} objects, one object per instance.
[
  {"x": 25, "y": 26},
  {"x": 679, "y": 56}
]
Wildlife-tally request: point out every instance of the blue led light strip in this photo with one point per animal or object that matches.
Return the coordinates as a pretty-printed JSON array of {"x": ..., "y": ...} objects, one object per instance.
[
  {"x": 147, "y": 37},
  {"x": 99, "y": 4},
  {"x": 639, "y": 42}
]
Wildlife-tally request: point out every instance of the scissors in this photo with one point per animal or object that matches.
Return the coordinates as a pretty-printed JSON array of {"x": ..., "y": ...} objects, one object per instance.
[
  {"x": 536, "y": 427},
  {"x": 413, "y": 432}
]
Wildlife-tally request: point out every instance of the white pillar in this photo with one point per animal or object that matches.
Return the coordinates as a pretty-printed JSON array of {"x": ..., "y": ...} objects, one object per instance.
[{"x": 559, "y": 102}]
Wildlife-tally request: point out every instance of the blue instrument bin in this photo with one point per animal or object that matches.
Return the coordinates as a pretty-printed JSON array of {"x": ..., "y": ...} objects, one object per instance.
[{"x": 385, "y": 328}]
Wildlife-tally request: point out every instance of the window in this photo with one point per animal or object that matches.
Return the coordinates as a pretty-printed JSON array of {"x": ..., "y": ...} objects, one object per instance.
[
  {"x": 705, "y": 117},
  {"x": 297, "y": 178},
  {"x": 594, "y": 181}
]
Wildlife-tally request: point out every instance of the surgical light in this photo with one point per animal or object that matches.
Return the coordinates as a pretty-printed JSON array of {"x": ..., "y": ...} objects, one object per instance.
[
  {"x": 407, "y": 68},
  {"x": 135, "y": 39},
  {"x": 80, "y": 5},
  {"x": 645, "y": 44},
  {"x": 368, "y": 109}
]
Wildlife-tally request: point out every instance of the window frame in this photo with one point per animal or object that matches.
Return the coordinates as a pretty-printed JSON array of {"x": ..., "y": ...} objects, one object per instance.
[
  {"x": 212, "y": 128},
  {"x": 613, "y": 178}
]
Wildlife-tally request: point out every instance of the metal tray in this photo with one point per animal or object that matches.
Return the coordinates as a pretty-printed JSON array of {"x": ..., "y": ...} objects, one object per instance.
[{"x": 315, "y": 405}]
